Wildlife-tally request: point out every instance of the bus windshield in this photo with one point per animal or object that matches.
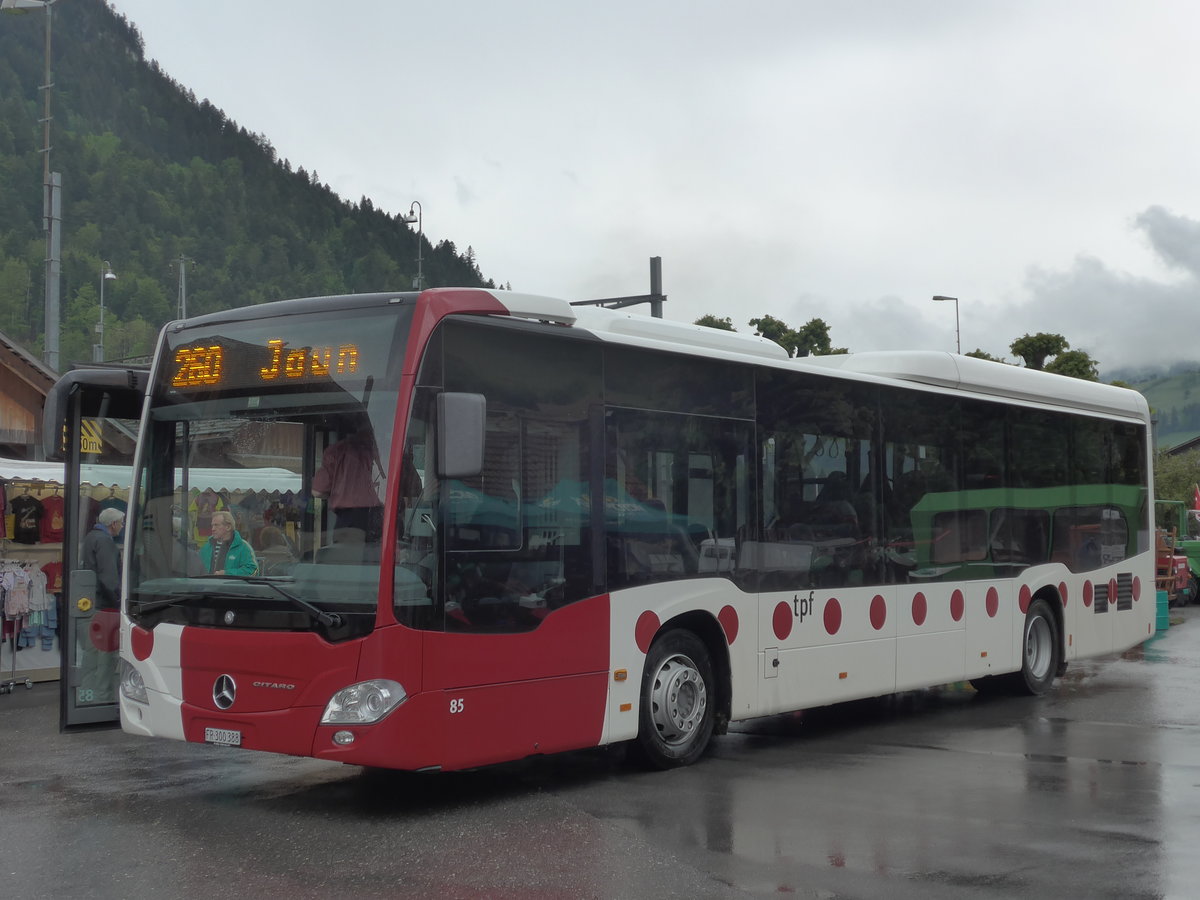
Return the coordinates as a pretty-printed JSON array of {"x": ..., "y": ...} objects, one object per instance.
[{"x": 262, "y": 473}]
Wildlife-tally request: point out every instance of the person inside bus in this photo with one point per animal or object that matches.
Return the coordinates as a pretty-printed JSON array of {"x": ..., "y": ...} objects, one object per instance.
[
  {"x": 275, "y": 552},
  {"x": 226, "y": 553},
  {"x": 185, "y": 558},
  {"x": 349, "y": 477}
]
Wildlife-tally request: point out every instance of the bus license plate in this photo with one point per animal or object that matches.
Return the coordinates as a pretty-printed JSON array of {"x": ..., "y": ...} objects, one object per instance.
[{"x": 223, "y": 736}]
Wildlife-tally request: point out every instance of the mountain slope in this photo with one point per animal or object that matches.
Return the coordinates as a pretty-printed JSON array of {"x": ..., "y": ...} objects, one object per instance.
[
  {"x": 150, "y": 176},
  {"x": 1175, "y": 400}
]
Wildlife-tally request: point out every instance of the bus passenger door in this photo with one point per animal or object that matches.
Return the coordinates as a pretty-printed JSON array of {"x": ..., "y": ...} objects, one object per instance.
[{"x": 91, "y": 423}]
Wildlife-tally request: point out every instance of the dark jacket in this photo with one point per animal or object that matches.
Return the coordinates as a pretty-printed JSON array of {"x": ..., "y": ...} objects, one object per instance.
[{"x": 101, "y": 556}]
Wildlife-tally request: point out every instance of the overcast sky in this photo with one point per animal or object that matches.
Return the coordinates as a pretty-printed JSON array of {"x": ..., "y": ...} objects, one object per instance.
[{"x": 846, "y": 160}]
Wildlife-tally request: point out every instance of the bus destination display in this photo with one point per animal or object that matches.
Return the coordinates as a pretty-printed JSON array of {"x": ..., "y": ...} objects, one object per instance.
[{"x": 226, "y": 365}]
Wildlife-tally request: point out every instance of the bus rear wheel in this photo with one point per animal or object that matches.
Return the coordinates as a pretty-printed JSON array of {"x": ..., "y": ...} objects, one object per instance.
[
  {"x": 676, "y": 719},
  {"x": 1041, "y": 657},
  {"x": 1040, "y": 650}
]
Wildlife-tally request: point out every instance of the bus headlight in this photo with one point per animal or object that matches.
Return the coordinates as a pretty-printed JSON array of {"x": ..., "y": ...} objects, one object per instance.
[
  {"x": 363, "y": 703},
  {"x": 132, "y": 686}
]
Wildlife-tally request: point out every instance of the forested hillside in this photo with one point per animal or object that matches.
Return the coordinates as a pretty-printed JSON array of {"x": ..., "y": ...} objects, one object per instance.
[
  {"x": 1175, "y": 400},
  {"x": 152, "y": 174}
]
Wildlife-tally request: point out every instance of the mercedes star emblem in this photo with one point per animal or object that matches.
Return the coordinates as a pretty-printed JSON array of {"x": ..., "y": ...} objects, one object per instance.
[{"x": 224, "y": 692}]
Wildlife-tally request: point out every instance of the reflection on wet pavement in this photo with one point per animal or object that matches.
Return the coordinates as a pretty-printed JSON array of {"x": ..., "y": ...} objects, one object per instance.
[{"x": 1090, "y": 791}]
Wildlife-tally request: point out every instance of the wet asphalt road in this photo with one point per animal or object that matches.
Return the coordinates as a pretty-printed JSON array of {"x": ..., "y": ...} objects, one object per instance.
[{"x": 1090, "y": 792}]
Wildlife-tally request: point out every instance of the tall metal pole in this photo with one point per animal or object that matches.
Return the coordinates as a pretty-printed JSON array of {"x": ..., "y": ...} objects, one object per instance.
[
  {"x": 106, "y": 274},
  {"x": 51, "y": 196},
  {"x": 181, "y": 305},
  {"x": 957, "y": 330},
  {"x": 53, "y": 267},
  {"x": 656, "y": 294},
  {"x": 655, "y": 298},
  {"x": 98, "y": 347},
  {"x": 46, "y": 85},
  {"x": 52, "y": 206},
  {"x": 416, "y": 217}
]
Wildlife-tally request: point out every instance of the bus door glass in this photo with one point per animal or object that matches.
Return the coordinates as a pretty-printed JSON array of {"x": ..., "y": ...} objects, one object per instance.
[{"x": 100, "y": 431}]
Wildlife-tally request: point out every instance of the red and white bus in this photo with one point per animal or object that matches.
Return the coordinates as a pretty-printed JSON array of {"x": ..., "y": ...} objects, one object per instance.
[{"x": 586, "y": 527}]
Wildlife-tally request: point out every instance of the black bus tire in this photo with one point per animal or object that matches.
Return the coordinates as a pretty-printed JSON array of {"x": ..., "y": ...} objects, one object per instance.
[
  {"x": 678, "y": 702},
  {"x": 1041, "y": 650}
]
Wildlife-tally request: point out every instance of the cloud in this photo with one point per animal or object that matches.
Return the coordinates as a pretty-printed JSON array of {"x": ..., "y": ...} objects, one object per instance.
[
  {"x": 1176, "y": 239},
  {"x": 463, "y": 192},
  {"x": 846, "y": 161},
  {"x": 1124, "y": 320}
]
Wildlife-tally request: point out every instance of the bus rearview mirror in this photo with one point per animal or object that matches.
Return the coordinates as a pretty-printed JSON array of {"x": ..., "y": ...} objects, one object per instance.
[{"x": 460, "y": 419}]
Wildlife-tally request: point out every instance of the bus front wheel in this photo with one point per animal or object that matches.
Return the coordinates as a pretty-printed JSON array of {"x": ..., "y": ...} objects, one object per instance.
[
  {"x": 1040, "y": 650},
  {"x": 678, "y": 696}
]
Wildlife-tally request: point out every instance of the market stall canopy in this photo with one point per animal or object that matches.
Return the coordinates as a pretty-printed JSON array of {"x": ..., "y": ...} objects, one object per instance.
[{"x": 268, "y": 479}]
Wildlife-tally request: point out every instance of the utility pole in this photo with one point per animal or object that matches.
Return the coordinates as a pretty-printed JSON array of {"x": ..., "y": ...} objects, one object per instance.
[
  {"x": 51, "y": 196},
  {"x": 181, "y": 304},
  {"x": 51, "y": 204},
  {"x": 655, "y": 298}
]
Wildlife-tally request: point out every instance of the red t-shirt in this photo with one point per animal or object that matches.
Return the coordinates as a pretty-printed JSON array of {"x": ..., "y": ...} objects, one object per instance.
[
  {"x": 52, "y": 519},
  {"x": 53, "y": 572}
]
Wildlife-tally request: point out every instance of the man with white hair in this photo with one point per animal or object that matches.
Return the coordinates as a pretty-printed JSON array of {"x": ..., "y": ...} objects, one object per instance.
[
  {"x": 101, "y": 556},
  {"x": 96, "y": 647},
  {"x": 226, "y": 553}
]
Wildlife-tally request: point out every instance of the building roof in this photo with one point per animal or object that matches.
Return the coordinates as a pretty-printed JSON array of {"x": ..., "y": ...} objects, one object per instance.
[{"x": 36, "y": 372}]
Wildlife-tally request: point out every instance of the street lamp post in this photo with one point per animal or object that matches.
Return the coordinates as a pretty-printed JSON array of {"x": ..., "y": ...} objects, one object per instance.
[
  {"x": 106, "y": 274},
  {"x": 957, "y": 331},
  {"x": 410, "y": 218}
]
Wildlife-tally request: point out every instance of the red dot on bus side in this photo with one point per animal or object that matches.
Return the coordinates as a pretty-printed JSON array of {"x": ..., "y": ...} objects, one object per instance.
[
  {"x": 1062, "y": 592},
  {"x": 781, "y": 621},
  {"x": 1088, "y": 593},
  {"x": 728, "y": 618},
  {"x": 992, "y": 603},
  {"x": 878, "y": 612},
  {"x": 645, "y": 630},
  {"x": 1024, "y": 598},
  {"x": 1112, "y": 590},
  {"x": 919, "y": 609},
  {"x": 1137, "y": 589},
  {"x": 833, "y": 616},
  {"x": 141, "y": 642},
  {"x": 956, "y": 606}
]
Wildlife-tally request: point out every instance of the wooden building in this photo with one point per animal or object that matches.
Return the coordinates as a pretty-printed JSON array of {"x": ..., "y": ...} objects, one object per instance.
[{"x": 24, "y": 383}]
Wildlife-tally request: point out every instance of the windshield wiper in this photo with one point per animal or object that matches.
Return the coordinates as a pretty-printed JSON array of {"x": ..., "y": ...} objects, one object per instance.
[
  {"x": 328, "y": 619},
  {"x": 146, "y": 606}
]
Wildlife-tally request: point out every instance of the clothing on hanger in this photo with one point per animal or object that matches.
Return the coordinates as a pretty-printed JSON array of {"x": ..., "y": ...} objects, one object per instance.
[
  {"x": 27, "y": 515},
  {"x": 53, "y": 517}
]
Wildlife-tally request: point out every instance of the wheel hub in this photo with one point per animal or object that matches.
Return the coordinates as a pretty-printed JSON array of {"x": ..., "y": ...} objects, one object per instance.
[
  {"x": 678, "y": 700},
  {"x": 1037, "y": 648}
]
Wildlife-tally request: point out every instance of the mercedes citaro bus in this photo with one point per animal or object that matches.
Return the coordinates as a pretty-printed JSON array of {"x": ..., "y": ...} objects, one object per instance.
[{"x": 589, "y": 527}]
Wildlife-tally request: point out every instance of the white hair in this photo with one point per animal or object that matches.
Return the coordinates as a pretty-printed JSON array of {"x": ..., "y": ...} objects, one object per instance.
[{"x": 224, "y": 515}]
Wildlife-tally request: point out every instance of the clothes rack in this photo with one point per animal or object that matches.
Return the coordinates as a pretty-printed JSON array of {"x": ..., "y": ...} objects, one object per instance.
[{"x": 7, "y": 687}]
